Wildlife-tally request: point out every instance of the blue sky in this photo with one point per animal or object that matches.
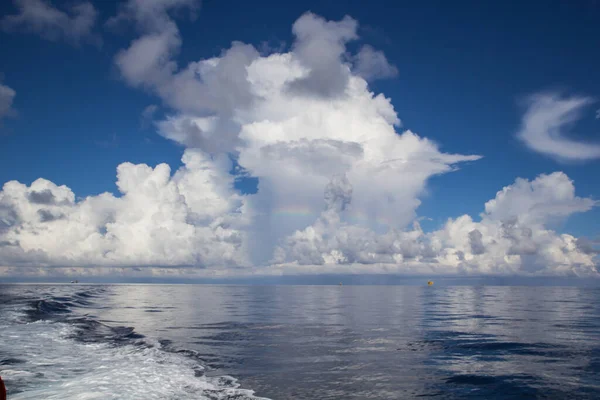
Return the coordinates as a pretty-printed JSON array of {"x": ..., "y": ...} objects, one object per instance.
[{"x": 465, "y": 70}]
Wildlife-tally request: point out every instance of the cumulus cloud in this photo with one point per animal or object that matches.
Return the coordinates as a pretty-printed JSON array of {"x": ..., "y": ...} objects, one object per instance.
[
  {"x": 7, "y": 96},
  {"x": 206, "y": 92},
  {"x": 544, "y": 124},
  {"x": 191, "y": 218},
  {"x": 42, "y": 18},
  {"x": 293, "y": 119},
  {"x": 41, "y": 197},
  {"x": 339, "y": 183},
  {"x": 537, "y": 201},
  {"x": 319, "y": 47},
  {"x": 213, "y": 95},
  {"x": 372, "y": 64},
  {"x": 505, "y": 241}
]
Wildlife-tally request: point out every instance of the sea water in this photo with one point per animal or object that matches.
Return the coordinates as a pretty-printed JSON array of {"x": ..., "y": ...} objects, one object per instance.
[{"x": 299, "y": 342}]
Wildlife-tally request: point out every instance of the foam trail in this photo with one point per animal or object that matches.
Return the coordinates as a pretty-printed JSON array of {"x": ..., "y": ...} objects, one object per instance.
[{"x": 47, "y": 351}]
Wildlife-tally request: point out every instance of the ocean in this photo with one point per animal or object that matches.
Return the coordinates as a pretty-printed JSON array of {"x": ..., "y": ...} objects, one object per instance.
[{"x": 299, "y": 342}]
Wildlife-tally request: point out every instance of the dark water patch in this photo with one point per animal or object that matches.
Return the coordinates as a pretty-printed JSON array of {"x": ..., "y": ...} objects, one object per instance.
[
  {"x": 91, "y": 331},
  {"x": 61, "y": 298},
  {"x": 445, "y": 340},
  {"x": 211, "y": 343},
  {"x": 224, "y": 325},
  {"x": 591, "y": 361},
  {"x": 480, "y": 344},
  {"x": 582, "y": 325},
  {"x": 422, "y": 345},
  {"x": 55, "y": 307},
  {"x": 472, "y": 380},
  {"x": 482, "y": 316},
  {"x": 498, "y": 386},
  {"x": 60, "y": 309},
  {"x": 47, "y": 309},
  {"x": 228, "y": 336},
  {"x": 86, "y": 295},
  {"x": 11, "y": 361},
  {"x": 80, "y": 303},
  {"x": 498, "y": 346},
  {"x": 592, "y": 366},
  {"x": 440, "y": 394},
  {"x": 206, "y": 362}
]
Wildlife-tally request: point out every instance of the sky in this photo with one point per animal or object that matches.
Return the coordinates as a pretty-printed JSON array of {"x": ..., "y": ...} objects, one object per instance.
[{"x": 174, "y": 138}]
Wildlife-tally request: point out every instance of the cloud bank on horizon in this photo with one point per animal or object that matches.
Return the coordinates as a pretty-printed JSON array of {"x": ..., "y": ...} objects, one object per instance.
[{"x": 338, "y": 190}]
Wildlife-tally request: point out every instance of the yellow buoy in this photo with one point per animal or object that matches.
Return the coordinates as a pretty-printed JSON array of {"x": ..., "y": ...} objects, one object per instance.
[{"x": 429, "y": 283}]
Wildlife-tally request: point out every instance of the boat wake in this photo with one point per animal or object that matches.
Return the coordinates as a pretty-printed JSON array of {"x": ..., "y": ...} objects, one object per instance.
[{"x": 50, "y": 349}]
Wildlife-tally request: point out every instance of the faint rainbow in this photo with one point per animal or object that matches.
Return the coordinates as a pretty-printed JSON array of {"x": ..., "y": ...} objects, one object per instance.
[
  {"x": 295, "y": 211},
  {"x": 359, "y": 217},
  {"x": 353, "y": 216}
]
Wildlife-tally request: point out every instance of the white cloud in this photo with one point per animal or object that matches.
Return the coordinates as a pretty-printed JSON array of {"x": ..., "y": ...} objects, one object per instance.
[
  {"x": 213, "y": 86},
  {"x": 507, "y": 240},
  {"x": 152, "y": 15},
  {"x": 147, "y": 60},
  {"x": 372, "y": 64},
  {"x": 339, "y": 185},
  {"x": 544, "y": 123},
  {"x": 188, "y": 219},
  {"x": 42, "y": 18},
  {"x": 319, "y": 46},
  {"x": 293, "y": 125},
  {"x": 148, "y": 115},
  {"x": 7, "y": 96},
  {"x": 538, "y": 201}
]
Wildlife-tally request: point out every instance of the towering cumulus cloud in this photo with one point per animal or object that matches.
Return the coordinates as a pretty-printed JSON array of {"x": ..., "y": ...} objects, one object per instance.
[{"x": 339, "y": 183}]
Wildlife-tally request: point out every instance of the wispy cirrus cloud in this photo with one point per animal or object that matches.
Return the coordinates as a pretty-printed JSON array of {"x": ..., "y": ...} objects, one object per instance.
[{"x": 545, "y": 124}]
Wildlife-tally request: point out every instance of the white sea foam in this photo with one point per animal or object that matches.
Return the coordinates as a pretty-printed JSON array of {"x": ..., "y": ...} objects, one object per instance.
[{"x": 42, "y": 360}]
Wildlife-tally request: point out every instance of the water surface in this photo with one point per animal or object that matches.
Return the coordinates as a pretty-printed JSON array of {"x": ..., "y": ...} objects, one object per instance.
[{"x": 299, "y": 342}]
